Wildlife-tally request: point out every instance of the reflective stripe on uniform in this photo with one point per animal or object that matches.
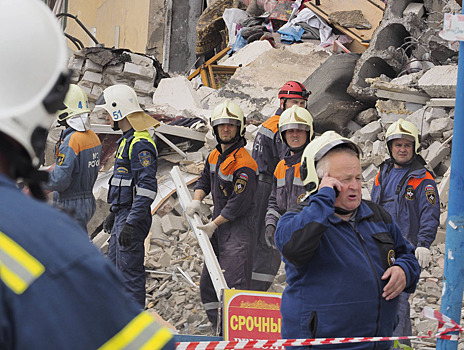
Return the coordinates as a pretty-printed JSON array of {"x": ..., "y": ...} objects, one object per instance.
[
  {"x": 121, "y": 149},
  {"x": 211, "y": 306},
  {"x": 297, "y": 182},
  {"x": 145, "y": 192},
  {"x": 266, "y": 132},
  {"x": 18, "y": 269},
  {"x": 120, "y": 182},
  {"x": 281, "y": 182},
  {"x": 262, "y": 277},
  {"x": 229, "y": 178},
  {"x": 140, "y": 333}
]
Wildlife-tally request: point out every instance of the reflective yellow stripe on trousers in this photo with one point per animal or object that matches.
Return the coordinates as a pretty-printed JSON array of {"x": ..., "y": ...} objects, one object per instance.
[
  {"x": 18, "y": 269},
  {"x": 140, "y": 333}
]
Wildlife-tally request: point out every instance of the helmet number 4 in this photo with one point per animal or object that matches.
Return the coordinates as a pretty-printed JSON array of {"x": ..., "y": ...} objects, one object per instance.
[{"x": 79, "y": 105}]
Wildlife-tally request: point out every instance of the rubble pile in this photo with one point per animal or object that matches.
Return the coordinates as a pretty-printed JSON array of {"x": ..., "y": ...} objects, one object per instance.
[
  {"x": 405, "y": 41},
  {"x": 96, "y": 68}
]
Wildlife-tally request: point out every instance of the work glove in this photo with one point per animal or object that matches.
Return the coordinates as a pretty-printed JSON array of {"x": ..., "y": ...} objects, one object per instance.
[
  {"x": 269, "y": 236},
  {"x": 193, "y": 207},
  {"x": 209, "y": 228},
  {"x": 125, "y": 236},
  {"x": 423, "y": 256},
  {"x": 108, "y": 223}
]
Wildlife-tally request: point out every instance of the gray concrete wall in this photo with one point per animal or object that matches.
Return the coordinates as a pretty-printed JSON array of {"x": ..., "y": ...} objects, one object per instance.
[{"x": 185, "y": 14}]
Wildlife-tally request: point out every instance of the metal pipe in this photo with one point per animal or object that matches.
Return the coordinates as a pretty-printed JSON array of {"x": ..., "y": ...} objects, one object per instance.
[{"x": 81, "y": 25}]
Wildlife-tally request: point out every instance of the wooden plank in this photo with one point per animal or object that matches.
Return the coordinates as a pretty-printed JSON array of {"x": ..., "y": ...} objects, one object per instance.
[
  {"x": 371, "y": 9},
  {"x": 212, "y": 264}
]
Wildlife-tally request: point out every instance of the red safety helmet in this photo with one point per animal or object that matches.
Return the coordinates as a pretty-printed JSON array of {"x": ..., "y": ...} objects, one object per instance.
[{"x": 294, "y": 89}]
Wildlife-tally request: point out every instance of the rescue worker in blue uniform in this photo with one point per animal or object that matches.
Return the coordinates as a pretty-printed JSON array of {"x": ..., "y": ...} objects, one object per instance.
[
  {"x": 296, "y": 131},
  {"x": 78, "y": 153},
  {"x": 56, "y": 289},
  {"x": 409, "y": 193},
  {"x": 132, "y": 188},
  {"x": 345, "y": 258},
  {"x": 230, "y": 176},
  {"x": 268, "y": 150}
]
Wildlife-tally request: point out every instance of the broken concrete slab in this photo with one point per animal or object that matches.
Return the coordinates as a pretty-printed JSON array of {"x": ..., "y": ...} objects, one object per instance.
[
  {"x": 368, "y": 132},
  {"x": 247, "y": 54},
  {"x": 176, "y": 92},
  {"x": 254, "y": 86},
  {"x": 439, "y": 126},
  {"x": 171, "y": 223},
  {"x": 370, "y": 172},
  {"x": 440, "y": 81},
  {"x": 329, "y": 104},
  {"x": 367, "y": 116},
  {"x": 436, "y": 152}
]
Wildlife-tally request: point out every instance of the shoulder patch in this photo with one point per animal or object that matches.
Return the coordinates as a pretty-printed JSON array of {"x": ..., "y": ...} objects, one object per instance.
[
  {"x": 243, "y": 176},
  {"x": 391, "y": 257},
  {"x": 60, "y": 159},
  {"x": 301, "y": 198},
  {"x": 430, "y": 194},
  {"x": 409, "y": 193},
  {"x": 145, "y": 158},
  {"x": 122, "y": 170},
  {"x": 240, "y": 185}
]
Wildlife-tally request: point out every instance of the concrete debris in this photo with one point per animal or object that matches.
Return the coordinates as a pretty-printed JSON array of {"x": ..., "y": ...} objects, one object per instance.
[
  {"x": 331, "y": 107},
  {"x": 440, "y": 81},
  {"x": 170, "y": 89},
  {"x": 97, "y": 68}
]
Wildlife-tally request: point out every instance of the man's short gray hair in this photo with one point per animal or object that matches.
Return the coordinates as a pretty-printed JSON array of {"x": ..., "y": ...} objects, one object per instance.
[{"x": 323, "y": 165}]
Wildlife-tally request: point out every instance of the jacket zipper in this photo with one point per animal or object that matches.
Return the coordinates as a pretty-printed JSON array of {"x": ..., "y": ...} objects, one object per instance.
[{"x": 361, "y": 240}]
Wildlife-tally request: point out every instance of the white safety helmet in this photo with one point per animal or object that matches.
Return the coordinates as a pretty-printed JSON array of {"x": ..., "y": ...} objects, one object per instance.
[
  {"x": 403, "y": 129},
  {"x": 296, "y": 118},
  {"x": 228, "y": 112},
  {"x": 76, "y": 102},
  {"x": 317, "y": 149},
  {"x": 119, "y": 101},
  {"x": 34, "y": 79}
]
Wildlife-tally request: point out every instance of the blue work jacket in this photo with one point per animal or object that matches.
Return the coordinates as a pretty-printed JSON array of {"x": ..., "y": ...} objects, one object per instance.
[
  {"x": 334, "y": 269},
  {"x": 416, "y": 206}
]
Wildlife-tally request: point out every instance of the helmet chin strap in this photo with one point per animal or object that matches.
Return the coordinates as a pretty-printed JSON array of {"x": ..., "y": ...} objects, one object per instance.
[
  {"x": 20, "y": 167},
  {"x": 115, "y": 126}
]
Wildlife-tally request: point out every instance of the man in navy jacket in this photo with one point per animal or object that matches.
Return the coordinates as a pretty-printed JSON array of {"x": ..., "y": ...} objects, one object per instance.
[
  {"x": 346, "y": 260},
  {"x": 409, "y": 193}
]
